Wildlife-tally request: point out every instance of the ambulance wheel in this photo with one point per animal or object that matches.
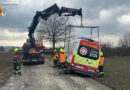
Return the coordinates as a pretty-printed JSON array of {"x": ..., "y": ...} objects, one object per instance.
[{"x": 71, "y": 71}]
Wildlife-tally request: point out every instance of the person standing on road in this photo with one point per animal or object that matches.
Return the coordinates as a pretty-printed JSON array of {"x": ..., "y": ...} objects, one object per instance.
[
  {"x": 16, "y": 62},
  {"x": 62, "y": 61},
  {"x": 49, "y": 56},
  {"x": 55, "y": 58},
  {"x": 101, "y": 63}
]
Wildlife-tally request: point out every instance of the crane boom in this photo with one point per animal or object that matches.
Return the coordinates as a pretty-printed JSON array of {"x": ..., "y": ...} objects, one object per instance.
[{"x": 47, "y": 13}]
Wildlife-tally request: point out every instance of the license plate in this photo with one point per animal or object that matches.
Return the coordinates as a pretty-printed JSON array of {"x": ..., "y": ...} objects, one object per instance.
[
  {"x": 91, "y": 70},
  {"x": 78, "y": 66},
  {"x": 34, "y": 60}
]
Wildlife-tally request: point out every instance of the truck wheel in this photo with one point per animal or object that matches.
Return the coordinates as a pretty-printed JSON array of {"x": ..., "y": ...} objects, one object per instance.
[
  {"x": 42, "y": 62},
  {"x": 24, "y": 63}
]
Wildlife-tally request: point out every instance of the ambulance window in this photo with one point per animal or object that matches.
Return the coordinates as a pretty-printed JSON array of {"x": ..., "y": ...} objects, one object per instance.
[{"x": 88, "y": 52}]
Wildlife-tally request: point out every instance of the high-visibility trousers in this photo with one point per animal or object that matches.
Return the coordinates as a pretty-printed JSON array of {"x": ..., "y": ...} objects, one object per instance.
[
  {"x": 101, "y": 71},
  {"x": 55, "y": 61},
  {"x": 16, "y": 67},
  {"x": 62, "y": 65}
]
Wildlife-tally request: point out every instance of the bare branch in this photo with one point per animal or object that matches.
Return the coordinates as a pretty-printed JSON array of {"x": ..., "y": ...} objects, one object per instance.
[{"x": 54, "y": 29}]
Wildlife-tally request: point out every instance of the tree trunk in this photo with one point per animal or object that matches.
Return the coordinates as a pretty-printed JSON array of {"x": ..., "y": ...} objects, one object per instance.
[
  {"x": 53, "y": 45},
  {"x": 53, "y": 42}
]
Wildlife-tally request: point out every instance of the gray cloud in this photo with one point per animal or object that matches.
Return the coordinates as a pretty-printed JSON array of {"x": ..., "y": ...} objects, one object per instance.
[
  {"x": 18, "y": 18},
  {"x": 110, "y": 25}
]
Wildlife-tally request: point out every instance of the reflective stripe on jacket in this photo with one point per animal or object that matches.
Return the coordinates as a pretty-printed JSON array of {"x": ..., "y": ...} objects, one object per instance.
[
  {"x": 101, "y": 61},
  {"x": 54, "y": 57},
  {"x": 62, "y": 57}
]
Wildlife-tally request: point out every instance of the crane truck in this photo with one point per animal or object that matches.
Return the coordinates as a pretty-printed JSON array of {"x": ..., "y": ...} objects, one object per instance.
[{"x": 33, "y": 52}]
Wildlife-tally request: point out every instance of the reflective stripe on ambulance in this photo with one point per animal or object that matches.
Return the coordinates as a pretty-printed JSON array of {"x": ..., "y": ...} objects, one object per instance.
[{"x": 84, "y": 61}]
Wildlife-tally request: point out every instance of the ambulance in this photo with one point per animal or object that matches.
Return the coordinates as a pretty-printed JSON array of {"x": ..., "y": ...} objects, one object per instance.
[{"x": 83, "y": 56}]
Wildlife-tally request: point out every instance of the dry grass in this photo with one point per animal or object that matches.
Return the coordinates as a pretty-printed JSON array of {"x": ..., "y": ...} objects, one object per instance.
[
  {"x": 5, "y": 67},
  {"x": 117, "y": 73}
]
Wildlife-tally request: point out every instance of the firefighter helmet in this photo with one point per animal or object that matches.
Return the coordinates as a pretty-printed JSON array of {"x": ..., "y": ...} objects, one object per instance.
[
  {"x": 61, "y": 50},
  {"x": 16, "y": 49},
  {"x": 55, "y": 50},
  {"x": 101, "y": 53}
]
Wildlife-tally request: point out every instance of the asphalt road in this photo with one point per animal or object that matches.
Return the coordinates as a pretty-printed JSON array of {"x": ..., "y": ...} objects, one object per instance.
[{"x": 44, "y": 77}]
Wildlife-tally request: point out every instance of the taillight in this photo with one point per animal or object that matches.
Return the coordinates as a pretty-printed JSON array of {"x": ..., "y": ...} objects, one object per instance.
[
  {"x": 73, "y": 58},
  {"x": 24, "y": 60}
]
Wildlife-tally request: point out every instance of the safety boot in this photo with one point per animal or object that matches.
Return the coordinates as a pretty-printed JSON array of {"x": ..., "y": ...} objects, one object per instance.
[
  {"x": 60, "y": 71},
  {"x": 101, "y": 74},
  {"x": 19, "y": 73}
]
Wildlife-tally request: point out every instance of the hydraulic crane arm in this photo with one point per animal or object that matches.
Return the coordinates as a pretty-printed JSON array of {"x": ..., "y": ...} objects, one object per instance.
[
  {"x": 40, "y": 14},
  {"x": 47, "y": 13},
  {"x": 71, "y": 11}
]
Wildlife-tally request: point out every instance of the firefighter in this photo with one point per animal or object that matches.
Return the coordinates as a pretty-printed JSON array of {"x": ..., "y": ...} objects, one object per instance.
[
  {"x": 101, "y": 63},
  {"x": 55, "y": 58},
  {"x": 16, "y": 62},
  {"x": 62, "y": 61},
  {"x": 49, "y": 56}
]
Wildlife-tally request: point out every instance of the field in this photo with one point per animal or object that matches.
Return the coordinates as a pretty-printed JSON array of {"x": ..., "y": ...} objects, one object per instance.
[
  {"x": 5, "y": 67},
  {"x": 117, "y": 73}
]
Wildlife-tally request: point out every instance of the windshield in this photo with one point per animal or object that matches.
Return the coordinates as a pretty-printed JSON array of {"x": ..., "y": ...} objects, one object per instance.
[{"x": 88, "y": 49}]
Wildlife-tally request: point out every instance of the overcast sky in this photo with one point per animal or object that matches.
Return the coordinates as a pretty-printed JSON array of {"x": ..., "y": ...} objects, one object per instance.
[{"x": 113, "y": 17}]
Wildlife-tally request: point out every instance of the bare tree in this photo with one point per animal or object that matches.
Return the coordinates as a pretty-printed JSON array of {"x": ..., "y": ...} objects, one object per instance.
[
  {"x": 54, "y": 29},
  {"x": 107, "y": 48},
  {"x": 123, "y": 48},
  {"x": 124, "y": 45},
  {"x": 125, "y": 41}
]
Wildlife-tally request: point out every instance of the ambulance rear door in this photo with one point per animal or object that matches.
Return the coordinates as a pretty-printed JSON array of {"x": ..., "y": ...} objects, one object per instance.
[{"x": 87, "y": 56}]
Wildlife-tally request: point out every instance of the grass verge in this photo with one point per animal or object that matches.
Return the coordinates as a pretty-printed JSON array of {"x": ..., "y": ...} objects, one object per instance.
[
  {"x": 5, "y": 67},
  {"x": 117, "y": 73}
]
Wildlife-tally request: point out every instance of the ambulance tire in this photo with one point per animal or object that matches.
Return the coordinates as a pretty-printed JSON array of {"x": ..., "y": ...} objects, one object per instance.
[
  {"x": 71, "y": 71},
  {"x": 70, "y": 68},
  {"x": 89, "y": 76}
]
